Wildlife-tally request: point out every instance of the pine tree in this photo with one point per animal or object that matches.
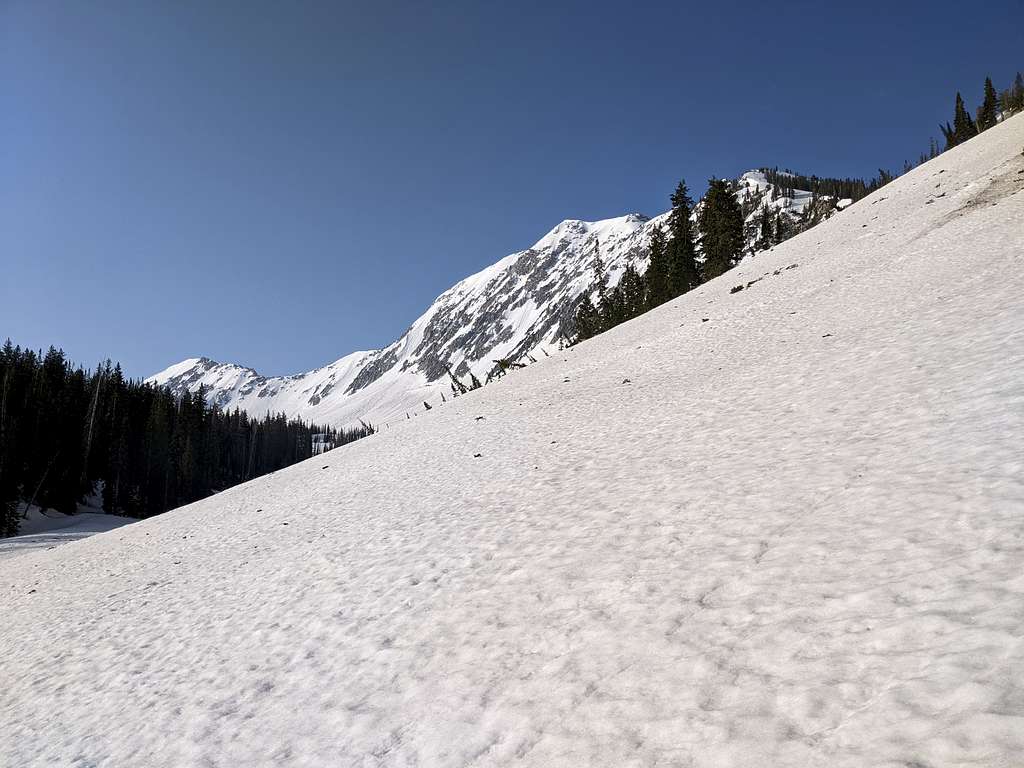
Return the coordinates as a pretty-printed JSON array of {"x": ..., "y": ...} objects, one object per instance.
[
  {"x": 600, "y": 277},
  {"x": 681, "y": 251},
  {"x": 63, "y": 431},
  {"x": 8, "y": 485},
  {"x": 657, "y": 276},
  {"x": 588, "y": 321},
  {"x": 963, "y": 127},
  {"x": 613, "y": 309},
  {"x": 765, "y": 235},
  {"x": 781, "y": 232},
  {"x": 989, "y": 107},
  {"x": 721, "y": 228},
  {"x": 632, "y": 292}
]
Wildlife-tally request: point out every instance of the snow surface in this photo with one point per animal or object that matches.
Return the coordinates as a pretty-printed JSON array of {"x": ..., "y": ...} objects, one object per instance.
[
  {"x": 779, "y": 527},
  {"x": 46, "y": 530}
]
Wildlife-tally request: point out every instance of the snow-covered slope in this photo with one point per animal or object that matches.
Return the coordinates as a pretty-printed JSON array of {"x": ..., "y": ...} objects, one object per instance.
[
  {"x": 511, "y": 310},
  {"x": 46, "y": 530},
  {"x": 781, "y": 527}
]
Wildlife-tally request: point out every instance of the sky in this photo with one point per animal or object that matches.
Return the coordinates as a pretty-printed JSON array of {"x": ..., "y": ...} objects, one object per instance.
[{"x": 279, "y": 184}]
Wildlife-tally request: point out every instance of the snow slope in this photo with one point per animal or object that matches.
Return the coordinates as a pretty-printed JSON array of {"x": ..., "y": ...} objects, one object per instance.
[
  {"x": 46, "y": 530},
  {"x": 781, "y": 527},
  {"x": 510, "y": 310}
]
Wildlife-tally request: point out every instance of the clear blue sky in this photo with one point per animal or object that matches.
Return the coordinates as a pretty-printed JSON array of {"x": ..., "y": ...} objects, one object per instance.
[{"x": 279, "y": 183}]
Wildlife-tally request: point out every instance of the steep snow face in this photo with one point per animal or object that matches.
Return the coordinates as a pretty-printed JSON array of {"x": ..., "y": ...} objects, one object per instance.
[
  {"x": 777, "y": 527},
  {"x": 512, "y": 310}
]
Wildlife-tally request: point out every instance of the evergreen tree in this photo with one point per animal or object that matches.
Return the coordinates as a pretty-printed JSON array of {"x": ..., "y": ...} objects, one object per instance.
[
  {"x": 605, "y": 310},
  {"x": 765, "y": 235},
  {"x": 8, "y": 485},
  {"x": 612, "y": 309},
  {"x": 989, "y": 107},
  {"x": 657, "y": 276},
  {"x": 963, "y": 127},
  {"x": 721, "y": 229},
  {"x": 64, "y": 432},
  {"x": 785, "y": 183},
  {"x": 948, "y": 134},
  {"x": 588, "y": 321},
  {"x": 781, "y": 232},
  {"x": 633, "y": 298},
  {"x": 681, "y": 251}
]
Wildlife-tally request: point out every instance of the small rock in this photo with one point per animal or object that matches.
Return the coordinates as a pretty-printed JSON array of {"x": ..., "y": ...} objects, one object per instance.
[
  {"x": 477, "y": 455},
  {"x": 626, "y": 381},
  {"x": 736, "y": 289},
  {"x": 479, "y": 418}
]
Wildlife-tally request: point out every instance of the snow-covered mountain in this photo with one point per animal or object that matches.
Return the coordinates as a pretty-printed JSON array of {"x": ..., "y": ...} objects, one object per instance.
[
  {"x": 777, "y": 527},
  {"x": 511, "y": 310}
]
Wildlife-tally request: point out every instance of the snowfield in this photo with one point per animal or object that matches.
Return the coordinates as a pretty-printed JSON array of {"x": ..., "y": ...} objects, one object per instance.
[
  {"x": 777, "y": 527},
  {"x": 46, "y": 530}
]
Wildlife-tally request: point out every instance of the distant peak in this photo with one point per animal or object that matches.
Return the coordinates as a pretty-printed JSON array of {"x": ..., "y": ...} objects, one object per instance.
[{"x": 601, "y": 227}]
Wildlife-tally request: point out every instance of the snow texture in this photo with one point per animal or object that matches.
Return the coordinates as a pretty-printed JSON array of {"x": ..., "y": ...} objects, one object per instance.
[
  {"x": 45, "y": 530},
  {"x": 777, "y": 527}
]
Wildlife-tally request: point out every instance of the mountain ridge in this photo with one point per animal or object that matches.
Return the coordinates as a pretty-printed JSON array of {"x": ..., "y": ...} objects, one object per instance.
[{"x": 516, "y": 308}]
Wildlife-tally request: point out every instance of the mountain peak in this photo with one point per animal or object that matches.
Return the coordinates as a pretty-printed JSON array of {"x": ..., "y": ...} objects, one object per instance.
[
  {"x": 513, "y": 309},
  {"x": 574, "y": 228}
]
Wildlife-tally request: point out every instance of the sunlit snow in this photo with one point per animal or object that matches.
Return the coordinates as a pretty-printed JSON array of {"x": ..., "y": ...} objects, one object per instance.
[{"x": 777, "y": 527}]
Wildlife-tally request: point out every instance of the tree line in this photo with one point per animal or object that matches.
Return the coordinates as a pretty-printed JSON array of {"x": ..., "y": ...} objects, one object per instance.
[
  {"x": 993, "y": 107},
  {"x": 673, "y": 268},
  {"x": 787, "y": 182},
  {"x": 67, "y": 433},
  {"x": 720, "y": 233}
]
